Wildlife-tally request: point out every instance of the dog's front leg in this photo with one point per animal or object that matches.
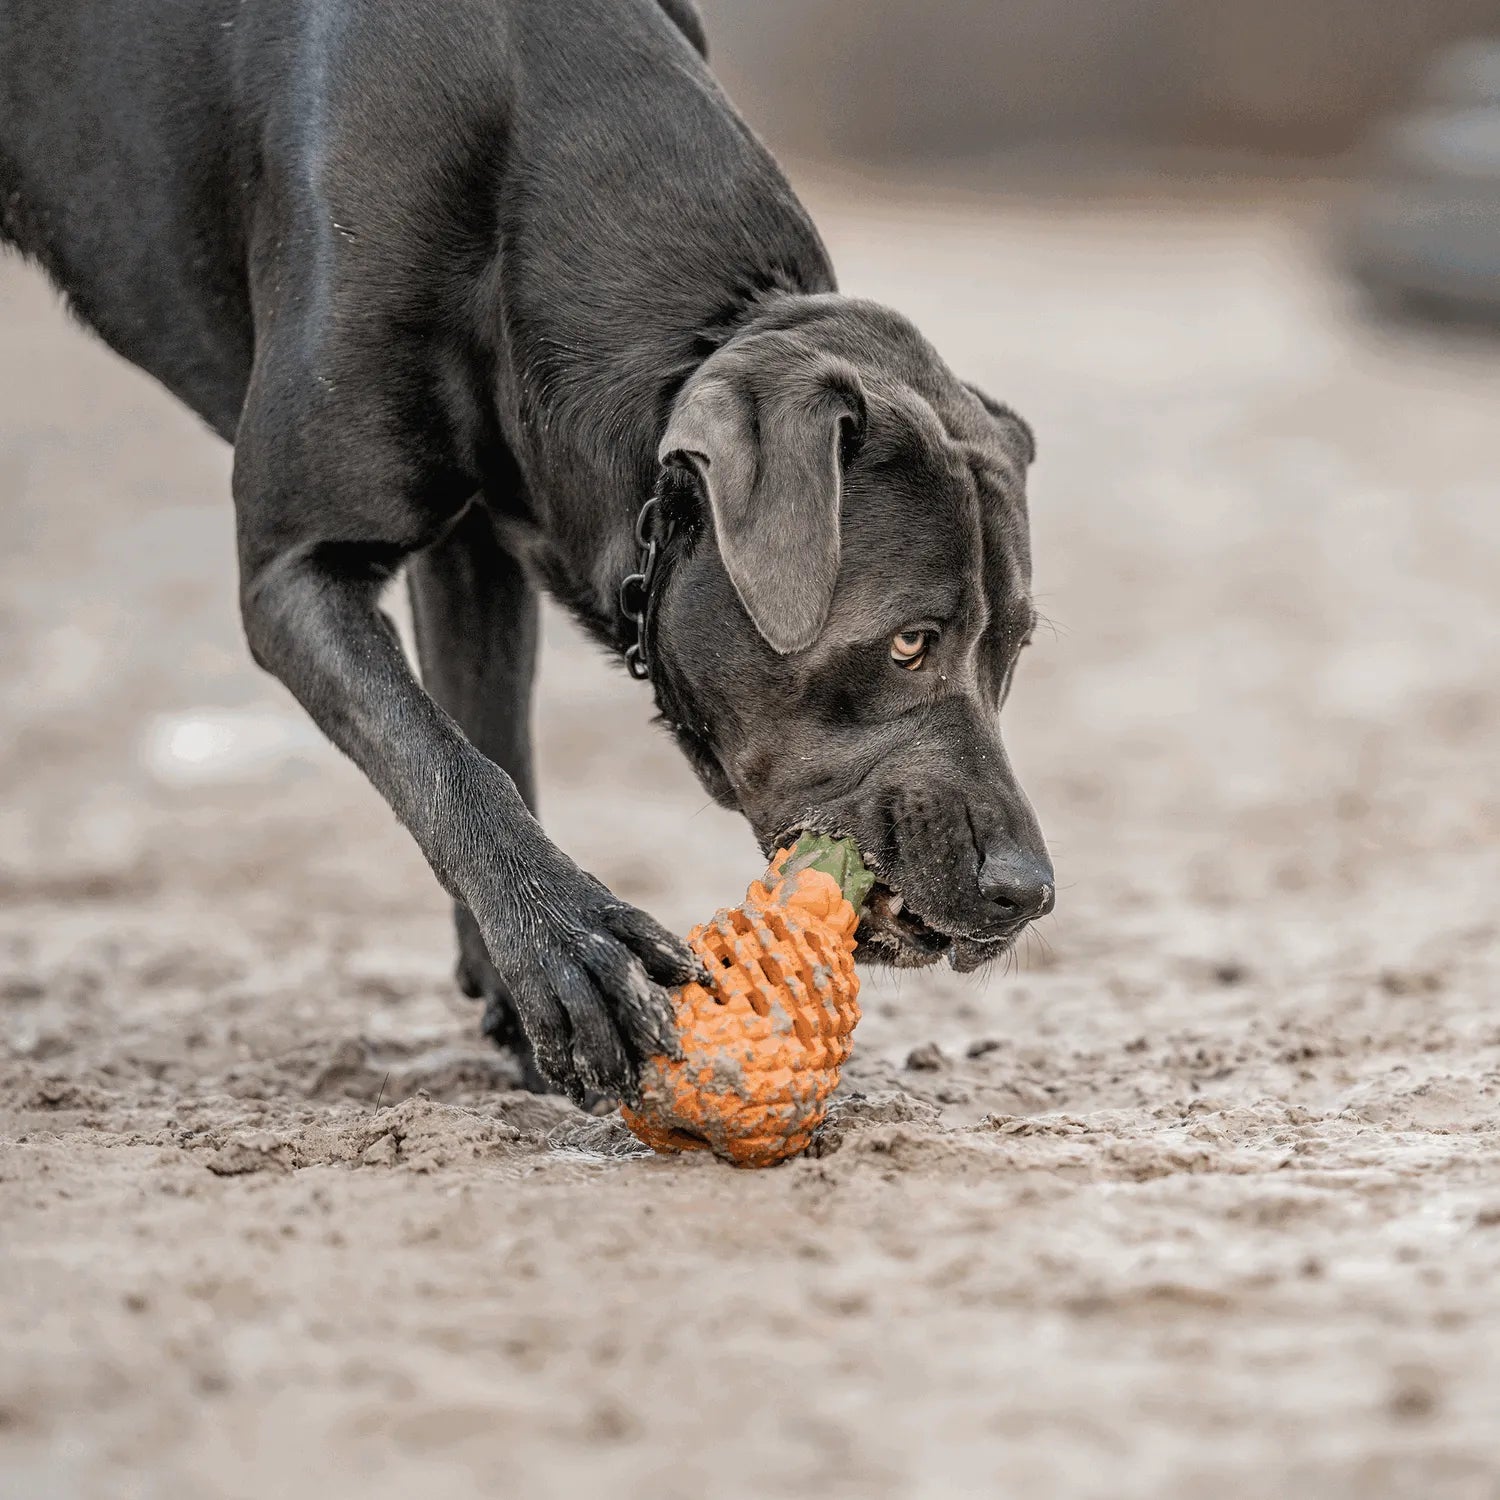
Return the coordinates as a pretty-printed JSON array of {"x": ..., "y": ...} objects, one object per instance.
[
  {"x": 586, "y": 970},
  {"x": 475, "y": 611}
]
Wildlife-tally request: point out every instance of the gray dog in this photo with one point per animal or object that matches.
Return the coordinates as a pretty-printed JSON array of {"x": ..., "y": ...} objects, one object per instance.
[{"x": 503, "y": 294}]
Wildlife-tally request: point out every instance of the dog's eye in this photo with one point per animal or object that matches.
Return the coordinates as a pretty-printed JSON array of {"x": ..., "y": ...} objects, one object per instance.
[{"x": 909, "y": 648}]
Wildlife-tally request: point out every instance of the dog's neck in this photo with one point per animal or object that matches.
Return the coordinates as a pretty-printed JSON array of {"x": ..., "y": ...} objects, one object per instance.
[{"x": 600, "y": 437}]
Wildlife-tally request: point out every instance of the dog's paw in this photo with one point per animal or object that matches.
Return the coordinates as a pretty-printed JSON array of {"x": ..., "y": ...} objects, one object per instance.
[
  {"x": 588, "y": 975},
  {"x": 503, "y": 1027},
  {"x": 478, "y": 979}
]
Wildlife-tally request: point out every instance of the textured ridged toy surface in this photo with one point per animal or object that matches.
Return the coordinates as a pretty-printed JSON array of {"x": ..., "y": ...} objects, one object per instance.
[{"x": 763, "y": 1044}]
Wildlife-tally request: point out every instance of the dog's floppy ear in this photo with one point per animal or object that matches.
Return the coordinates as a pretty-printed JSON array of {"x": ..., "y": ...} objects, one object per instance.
[
  {"x": 767, "y": 426},
  {"x": 1016, "y": 424}
]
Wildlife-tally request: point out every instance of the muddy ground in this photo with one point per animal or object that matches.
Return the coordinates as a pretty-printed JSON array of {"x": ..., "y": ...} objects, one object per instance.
[{"x": 1202, "y": 1199}]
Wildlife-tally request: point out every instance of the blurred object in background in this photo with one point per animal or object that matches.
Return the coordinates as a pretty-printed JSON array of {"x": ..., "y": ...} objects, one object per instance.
[
  {"x": 1092, "y": 96},
  {"x": 877, "y": 80},
  {"x": 210, "y": 746},
  {"x": 1423, "y": 234}
]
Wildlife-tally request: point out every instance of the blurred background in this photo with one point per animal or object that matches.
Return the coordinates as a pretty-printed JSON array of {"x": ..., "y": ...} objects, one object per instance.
[
  {"x": 1401, "y": 95},
  {"x": 882, "y": 79}
]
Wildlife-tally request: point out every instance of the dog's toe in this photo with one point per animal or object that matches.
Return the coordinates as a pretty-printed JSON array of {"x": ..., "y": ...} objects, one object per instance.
[{"x": 502, "y": 1026}]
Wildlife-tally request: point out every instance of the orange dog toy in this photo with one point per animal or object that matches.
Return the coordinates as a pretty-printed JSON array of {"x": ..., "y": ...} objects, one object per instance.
[{"x": 762, "y": 1048}]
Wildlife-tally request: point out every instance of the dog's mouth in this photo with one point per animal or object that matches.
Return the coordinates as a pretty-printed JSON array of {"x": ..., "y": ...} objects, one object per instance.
[{"x": 892, "y": 932}]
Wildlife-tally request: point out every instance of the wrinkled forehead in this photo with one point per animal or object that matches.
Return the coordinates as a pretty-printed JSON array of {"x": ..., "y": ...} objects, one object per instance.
[{"x": 934, "y": 527}]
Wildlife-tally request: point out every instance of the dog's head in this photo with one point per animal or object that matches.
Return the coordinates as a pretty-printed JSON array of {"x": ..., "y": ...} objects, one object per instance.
[{"x": 834, "y": 651}]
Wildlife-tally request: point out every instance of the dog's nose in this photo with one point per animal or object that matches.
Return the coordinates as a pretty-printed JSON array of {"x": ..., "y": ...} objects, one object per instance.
[{"x": 1018, "y": 881}]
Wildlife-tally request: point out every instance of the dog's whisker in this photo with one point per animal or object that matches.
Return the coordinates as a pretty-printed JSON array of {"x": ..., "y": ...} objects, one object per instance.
[{"x": 1053, "y": 627}]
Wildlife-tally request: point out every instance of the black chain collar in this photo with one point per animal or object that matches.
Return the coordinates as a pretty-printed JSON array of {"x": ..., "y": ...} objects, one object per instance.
[{"x": 653, "y": 530}]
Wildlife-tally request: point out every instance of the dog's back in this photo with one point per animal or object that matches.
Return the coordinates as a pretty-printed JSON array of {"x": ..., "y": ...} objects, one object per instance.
[
  {"x": 144, "y": 144},
  {"x": 118, "y": 174}
]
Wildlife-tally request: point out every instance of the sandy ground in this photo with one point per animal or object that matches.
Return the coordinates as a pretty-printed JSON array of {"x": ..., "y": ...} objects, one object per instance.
[{"x": 1203, "y": 1199}]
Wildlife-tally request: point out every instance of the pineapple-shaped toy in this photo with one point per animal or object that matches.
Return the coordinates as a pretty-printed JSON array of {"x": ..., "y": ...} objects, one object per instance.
[{"x": 763, "y": 1043}]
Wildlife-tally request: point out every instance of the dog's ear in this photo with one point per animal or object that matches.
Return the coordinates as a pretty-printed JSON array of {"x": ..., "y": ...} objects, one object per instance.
[
  {"x": 1015, "y": 425},
  {"x": 768, "y": 429}
]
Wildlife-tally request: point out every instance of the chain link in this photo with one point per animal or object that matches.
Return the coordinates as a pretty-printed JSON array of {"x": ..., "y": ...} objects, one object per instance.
[{"x": 635, "y": 588}]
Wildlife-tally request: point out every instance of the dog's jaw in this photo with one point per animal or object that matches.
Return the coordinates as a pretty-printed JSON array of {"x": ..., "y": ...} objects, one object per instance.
[
  {"x": 892, "y": 935},
  {"x": 891, "y": 932}
]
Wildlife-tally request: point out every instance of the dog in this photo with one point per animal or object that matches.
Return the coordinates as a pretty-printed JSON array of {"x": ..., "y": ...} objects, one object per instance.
[{"x": 503, "y": 295}]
